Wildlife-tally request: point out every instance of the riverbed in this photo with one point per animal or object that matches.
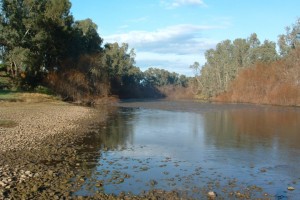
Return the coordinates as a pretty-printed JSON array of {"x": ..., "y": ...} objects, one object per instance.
[
  {"x": 235, "y": 150},
  {"x": 151, "y": 149}
]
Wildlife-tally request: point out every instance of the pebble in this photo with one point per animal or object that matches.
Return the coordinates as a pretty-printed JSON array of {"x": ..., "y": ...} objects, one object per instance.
[
  {"x": 211, "y": 195},
  {"x": 153, "y": 182},
  {"x": 291, "y": 188},
  {"x": 2, "y": 184}
]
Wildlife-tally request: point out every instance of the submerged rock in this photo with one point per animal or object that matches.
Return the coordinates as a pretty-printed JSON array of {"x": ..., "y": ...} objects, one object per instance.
[
  {"x": 291, "y": 188},
  {"x": 211, "y": 195}
]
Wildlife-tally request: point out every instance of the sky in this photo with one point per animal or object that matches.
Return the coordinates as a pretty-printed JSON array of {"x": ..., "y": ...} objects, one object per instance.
[{"x": 173, "y": 34}]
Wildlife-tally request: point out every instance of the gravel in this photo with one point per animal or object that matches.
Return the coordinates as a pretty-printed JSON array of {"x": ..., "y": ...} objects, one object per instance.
[
  {"x": 39, "y": 155},
  {"x": 35, "y": 122}
]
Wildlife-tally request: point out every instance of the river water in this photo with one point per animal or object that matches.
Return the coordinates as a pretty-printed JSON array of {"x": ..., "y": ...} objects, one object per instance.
[{"x": 236, "y": 150}]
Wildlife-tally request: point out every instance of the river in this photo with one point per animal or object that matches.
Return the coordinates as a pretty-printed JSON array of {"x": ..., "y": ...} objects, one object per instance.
[{"x": 236, "y": 150}]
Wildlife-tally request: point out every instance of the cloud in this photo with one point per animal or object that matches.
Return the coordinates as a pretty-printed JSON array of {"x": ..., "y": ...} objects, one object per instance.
[
  {"x": 171, "y": 4},
  {"x": 174, "y": 48},
  {"x": 182, "y": 39},
  {"x": 169, "y": 61}
]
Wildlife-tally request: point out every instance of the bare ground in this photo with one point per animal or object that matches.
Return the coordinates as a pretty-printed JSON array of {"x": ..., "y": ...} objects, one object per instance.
[{"x": 33, "y": 122}]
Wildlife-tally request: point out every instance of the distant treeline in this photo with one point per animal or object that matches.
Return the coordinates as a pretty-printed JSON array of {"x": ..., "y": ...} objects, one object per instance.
[
  {"x": 41, "y": 45},
  {"x": 247, "y": 70}
]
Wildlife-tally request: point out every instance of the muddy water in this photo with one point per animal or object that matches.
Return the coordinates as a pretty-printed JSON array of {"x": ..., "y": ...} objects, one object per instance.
[{"x": 238, "y": 151}]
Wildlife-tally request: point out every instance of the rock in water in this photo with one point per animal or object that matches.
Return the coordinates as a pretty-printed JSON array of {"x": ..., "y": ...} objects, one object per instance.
[
  {"x": 291, "y": 188},
  {"x": 211, "y": 195}
]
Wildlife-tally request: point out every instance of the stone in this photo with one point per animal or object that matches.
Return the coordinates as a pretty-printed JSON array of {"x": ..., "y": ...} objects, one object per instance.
[
  {"x": 211, "y": 195},
  {"x": 2, "y": 184},
  {"x": 291, "y": 188},
  {"x": 23, "y": 177},
  {"x": 50, "y": 172},
  {"x": 153, "y": 182},
  {"x": 27, "y": 173}
]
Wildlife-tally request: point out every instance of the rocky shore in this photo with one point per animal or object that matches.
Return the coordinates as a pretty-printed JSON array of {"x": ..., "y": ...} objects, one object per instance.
[
  {"x": 33, "y": 123},
  {"x": 37, "y": 158},
  {"x": 40, "y": 151}
]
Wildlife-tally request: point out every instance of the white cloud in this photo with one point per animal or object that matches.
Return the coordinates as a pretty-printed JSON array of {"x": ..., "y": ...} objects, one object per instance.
[
  {"x": 169, "y": 61},
  {"x": 182, "y": 39},
  {"x": 174, "y": 48},
  {"x": 171, "y": 4}
]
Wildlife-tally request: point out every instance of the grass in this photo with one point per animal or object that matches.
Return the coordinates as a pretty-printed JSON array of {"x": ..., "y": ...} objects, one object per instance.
[
  {"x": 7, "y": 95},
  {"x": 30, "y": 97},
  {"x": 7, "y": 123}
]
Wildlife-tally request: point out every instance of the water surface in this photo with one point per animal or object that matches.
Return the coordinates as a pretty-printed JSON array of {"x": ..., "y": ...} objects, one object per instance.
[{"x": 195, "y": 147}]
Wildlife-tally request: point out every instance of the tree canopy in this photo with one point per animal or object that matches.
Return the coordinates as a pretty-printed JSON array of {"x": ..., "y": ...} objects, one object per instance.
[
  {"x": 42, "y": 44},
  {"x": 225, "y": 61}
]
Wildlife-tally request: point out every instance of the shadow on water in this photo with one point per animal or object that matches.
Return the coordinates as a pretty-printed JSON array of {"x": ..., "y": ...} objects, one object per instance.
[{"x": 235, "y": 150}]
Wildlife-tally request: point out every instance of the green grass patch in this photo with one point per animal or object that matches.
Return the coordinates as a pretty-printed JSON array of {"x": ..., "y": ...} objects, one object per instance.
[
  {"x": 41, "y": 94},
  {"x": 8, "y": 95},
  {"x": 7, "y": 123}
]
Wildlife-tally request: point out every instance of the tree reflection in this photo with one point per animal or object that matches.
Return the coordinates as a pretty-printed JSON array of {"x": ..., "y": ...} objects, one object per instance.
[
  {"x": 251, "y": 127},
  {"x": 115, "y": 133}
]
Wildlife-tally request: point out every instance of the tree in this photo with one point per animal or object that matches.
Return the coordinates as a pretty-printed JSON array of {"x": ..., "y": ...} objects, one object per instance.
[
  {"x": 89, "y": 40},
  {"x": 39, "y": 31},
  {"x": 267, "y": 52},
  {"x": 155, "y": 77},
  {"x": 288, "y": 41},
  {"x": 115, "y": 66},
  {"x": 225, "y": 61}
]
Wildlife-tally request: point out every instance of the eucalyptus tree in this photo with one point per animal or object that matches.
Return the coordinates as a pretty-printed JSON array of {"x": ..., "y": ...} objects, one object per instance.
[
  {"x": 119, "y": 62},
  {"x": 289, "y": 40},
  {"x": 87, "y": 37},
  {"x": 267, "y": 52},
  {"x": 115, "y": 67},
  {"x": 34, "y": 35},
  {"x": 220, "y": 64},
  {"x": 225, "y": 61},
  {"x": 160, "y": 77}
]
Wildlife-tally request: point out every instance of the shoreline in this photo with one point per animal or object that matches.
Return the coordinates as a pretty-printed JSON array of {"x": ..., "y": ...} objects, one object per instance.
[
  {"x": 46, "y": 160},
  {"x": 34, "y": 122},
  {"x": 47, "y": 164},
  {"x": 37, "y": 154}
]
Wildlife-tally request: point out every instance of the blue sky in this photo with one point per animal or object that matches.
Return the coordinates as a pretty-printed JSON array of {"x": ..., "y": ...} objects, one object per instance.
[{"x": 173, "y": 34}]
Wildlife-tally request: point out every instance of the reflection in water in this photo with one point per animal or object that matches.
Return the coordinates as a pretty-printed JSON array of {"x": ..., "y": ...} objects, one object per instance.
[
  {"x": 227, "y": 150},
  {"x": 263, "y": 143}
]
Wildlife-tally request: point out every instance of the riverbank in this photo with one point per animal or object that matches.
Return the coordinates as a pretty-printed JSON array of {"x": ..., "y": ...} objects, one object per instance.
[
  {"x": 29, "y": 124},
  {"x": 41, "y": 150},
  {"x": 37, "y": 157}
]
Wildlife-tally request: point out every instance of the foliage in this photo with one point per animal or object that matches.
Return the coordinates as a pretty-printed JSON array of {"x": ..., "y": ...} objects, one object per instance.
[
  {"x": 120, "y": 64},
  {"x": 38, "y": 36},
  {"x": 161, "y": 77},
  {"x": 289, "y": 41},
  {"x": 272, "y": 83},
  {"x": 225, "y": 61},
  {"x": 42, "y": 45},
  {"x": 71, "y": 85}
]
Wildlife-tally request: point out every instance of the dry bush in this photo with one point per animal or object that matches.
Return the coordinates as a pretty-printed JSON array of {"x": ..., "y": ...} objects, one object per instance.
[
  {"x": 71, "y": 85},
  {"x": 176, "y": 92},
  {"x": 275, "y": 83}
]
